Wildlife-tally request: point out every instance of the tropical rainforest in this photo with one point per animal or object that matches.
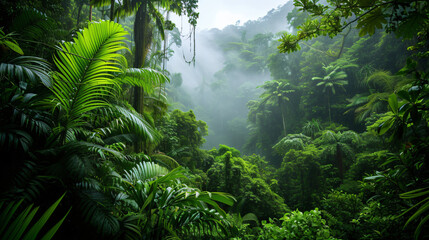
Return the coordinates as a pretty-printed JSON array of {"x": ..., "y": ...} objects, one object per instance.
[{"x": 309, "y": 123}]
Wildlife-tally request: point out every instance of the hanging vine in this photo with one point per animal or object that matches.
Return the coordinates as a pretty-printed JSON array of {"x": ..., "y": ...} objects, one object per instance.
[{"x": 192, "y": 48}]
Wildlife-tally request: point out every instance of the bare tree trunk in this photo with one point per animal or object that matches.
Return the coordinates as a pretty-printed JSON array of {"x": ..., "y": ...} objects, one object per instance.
[
  {"x": 90, "y": 12},
  {"x": 329, "y": 108},
  {"x": 343, "y": 43},
  {"x": 283, "y": 117},
  {"x": 142, "y": 40},
  {"x": 284, "y": 124},
  {"x": 79, "y": 10},
  {"x": 112, "y": 10},
  {"x": 339, "y": 158}
]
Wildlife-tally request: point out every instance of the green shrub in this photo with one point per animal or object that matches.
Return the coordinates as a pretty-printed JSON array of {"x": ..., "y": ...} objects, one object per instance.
[{"x": 297, "y": 225}]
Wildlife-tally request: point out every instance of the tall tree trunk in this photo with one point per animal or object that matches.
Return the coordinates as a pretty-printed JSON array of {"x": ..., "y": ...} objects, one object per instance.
[
  {"x": 284, "y": 124},
  {"x": 112, "y": 10},
  {"x": 281, "y": 105},
  {"x": 303, "y": 194},
  {"x": 142, "y": 40},
  {"x": 79, "y": 10},
  {"x": 103, "y": 13},
  {"x": 227, "y": 179},
  {"x": 90, "y": 12},
  {"x": 339, "y": 158},
  {"x": 343, "y": 42},
  {"x": 329, "y": 108}
]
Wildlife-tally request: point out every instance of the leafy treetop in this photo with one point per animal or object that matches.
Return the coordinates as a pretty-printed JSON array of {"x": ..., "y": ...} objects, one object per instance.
[{"x": 406, "y": 18}]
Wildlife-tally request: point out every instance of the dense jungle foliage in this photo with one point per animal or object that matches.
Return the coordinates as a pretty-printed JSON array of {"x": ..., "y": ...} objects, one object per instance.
[{"x": 319, "y": 111}]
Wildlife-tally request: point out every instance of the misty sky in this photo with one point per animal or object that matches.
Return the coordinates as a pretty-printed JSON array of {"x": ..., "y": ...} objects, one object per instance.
[{"x": 220, "y": 13}]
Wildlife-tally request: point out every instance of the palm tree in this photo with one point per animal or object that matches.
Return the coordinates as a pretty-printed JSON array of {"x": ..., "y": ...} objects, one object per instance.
[
  {"x": 276, "y": 92},
  {"x": 333, "y": 78},
  {"x": 91, "y": 123},
  {"x": 381, "y": 84},
  {"x": 340, "y": 146},
  {"x": 146, "y": 13},
  {"x": 312, "y": 127},
  {"x": 80, "y": 129}
]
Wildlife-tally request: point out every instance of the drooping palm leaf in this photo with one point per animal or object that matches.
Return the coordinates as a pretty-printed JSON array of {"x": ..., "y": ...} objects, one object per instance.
[
  {"x": 85, "y": 80},
  {"x": 165, "y": 160},
  {"x": 96, "y": 210},
  {"x": 137, "y": 124},
  {"x": 145, "y": 171},
  {"x": 145, "y": 78},
  {"x": 119, "y": 122},
  {"x": 26, "y": 69},
  {"x": 27, "y": 182}
]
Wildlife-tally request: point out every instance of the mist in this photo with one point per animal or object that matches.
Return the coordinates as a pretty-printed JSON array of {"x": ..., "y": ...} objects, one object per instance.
[{"x": 217, "y": 84}]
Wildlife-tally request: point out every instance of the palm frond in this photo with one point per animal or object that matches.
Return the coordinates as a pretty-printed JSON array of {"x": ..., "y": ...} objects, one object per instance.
[
  {"x": 27, "y": 182},
  {"x": 27, "y": 69},
  {"x": 200, "y": 222},
  {"x": 32, "y": 24},
  {"x": 145, "y": 171},
  {"x": 291, "y": 141},
  {"x": 130, "y": 228},
  {"x": 145, "y": 78},
  {"x": 135, "y": 123},
  {"x": 381, "y": 81},
  {"x": 22, "y": 122},
  {"x": 83, "y": 148},
  {"x": 100, "y": 3},
  {"x": 120, "y": 138},
  {"x": 85, "y": 80},
  {"x": 165, "y": 160},
  {"x": 329, "y": 136},
  {"x": 121, "y": 123},
  {"x": 12, "y": 137},
  {"x": 95, "y": 208}
]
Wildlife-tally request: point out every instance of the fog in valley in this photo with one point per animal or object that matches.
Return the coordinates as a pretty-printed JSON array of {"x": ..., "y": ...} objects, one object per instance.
[{"x": 230, "y": 64}]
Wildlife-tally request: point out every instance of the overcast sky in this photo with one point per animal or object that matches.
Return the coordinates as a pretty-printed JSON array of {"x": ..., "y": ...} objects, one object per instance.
[{"x": 220, "y": 13}]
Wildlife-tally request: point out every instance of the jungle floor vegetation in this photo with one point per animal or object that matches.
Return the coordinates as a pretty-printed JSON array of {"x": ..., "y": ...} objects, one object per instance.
[{"x": 96, "y": 141}]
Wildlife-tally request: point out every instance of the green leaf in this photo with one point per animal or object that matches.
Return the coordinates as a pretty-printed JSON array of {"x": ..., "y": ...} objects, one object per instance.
[
  {"x": 14, "y": 226},
  {"x": 55, "y": 228},
  {"x": 13, "y": 46},
  {"x": 411, "y": 26},
  {"x": 374, "y": 177},
  {"x": 393, "y": 103},
  {"x": 385, "y": 126},
  {"x": 404, "y": 95},
  {"x": 32, "y": 233},
  {"x": 371, "y": 21}
]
